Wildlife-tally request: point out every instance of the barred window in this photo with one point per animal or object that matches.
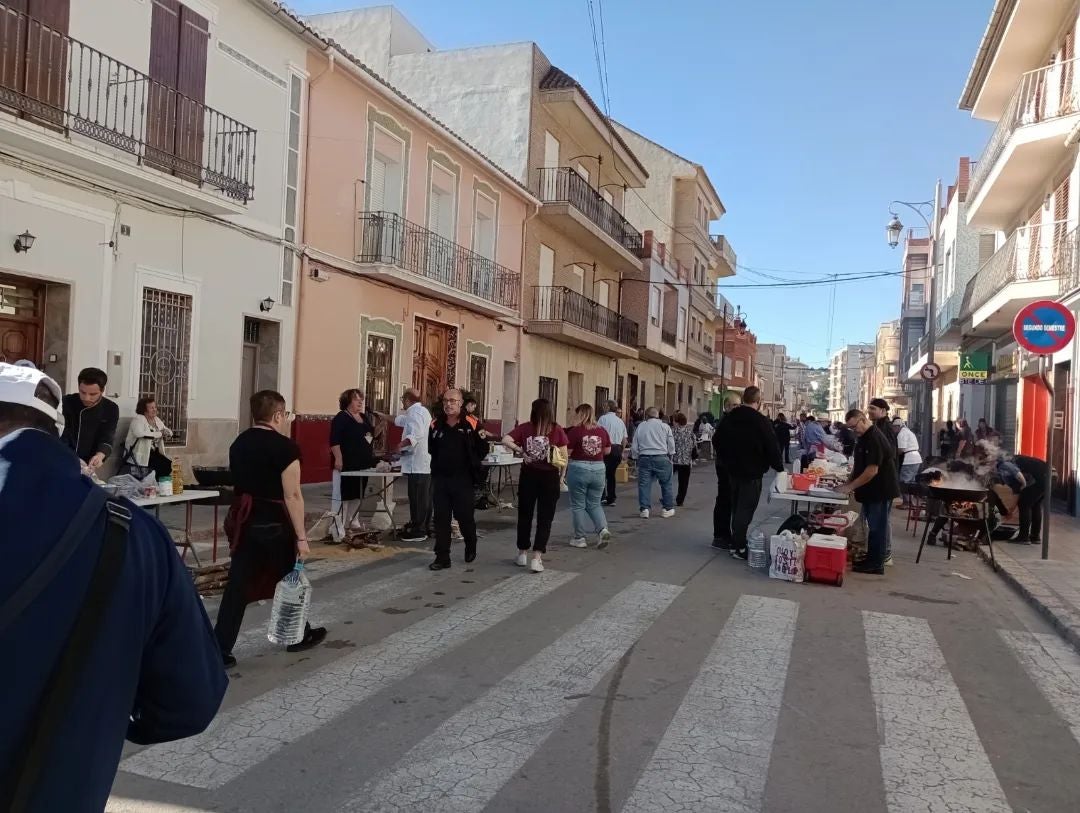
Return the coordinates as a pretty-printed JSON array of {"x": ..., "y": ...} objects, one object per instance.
[
  {"x": 165, "y": 357},
  {"x": 380, "y": 374},
  {"x": 478, "y": 381}
]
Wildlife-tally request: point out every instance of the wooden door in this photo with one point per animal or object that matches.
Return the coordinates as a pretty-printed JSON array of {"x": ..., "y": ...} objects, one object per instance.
[
  {"x": 21, "y": 321},
  {"x": 13, "y": 45},
  {"x": 431, "y": 359},
  {"x": 249, "y": 372},
  {"x": 46, "y": 58},
  {"x": 161, "y": 95},
  {"x": 191, "y": 88}
]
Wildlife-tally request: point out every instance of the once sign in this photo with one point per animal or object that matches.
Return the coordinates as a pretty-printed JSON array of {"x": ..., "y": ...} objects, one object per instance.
[
  {"x": 930, "y": 371},
  {"x": 974, "y": 368},
  {"x": 1044, "y": 327}
]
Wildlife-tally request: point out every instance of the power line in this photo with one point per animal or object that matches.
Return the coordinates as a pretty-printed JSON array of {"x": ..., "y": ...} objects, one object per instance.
[
  {"x": 596, "y": 53},
  {"x": 603, "y": 48}
]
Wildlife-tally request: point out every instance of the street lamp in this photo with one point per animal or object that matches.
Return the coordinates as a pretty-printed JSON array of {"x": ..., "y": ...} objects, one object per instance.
[{"x": 892, "y": 235}]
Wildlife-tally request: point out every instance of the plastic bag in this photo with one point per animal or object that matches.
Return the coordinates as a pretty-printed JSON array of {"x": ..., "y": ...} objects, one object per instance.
[
  {"x": 787, "y": 554},
  {"x": 132, "y": 487}
]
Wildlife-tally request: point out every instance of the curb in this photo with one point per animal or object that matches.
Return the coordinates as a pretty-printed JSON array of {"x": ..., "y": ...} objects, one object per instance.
[{"x": 1038, "y": 595}]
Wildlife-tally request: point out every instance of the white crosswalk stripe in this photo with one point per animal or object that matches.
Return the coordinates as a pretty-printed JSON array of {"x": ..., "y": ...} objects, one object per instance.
[
  {"x": 345, "y": 605},
  {"x": 931, "y": 755},
  {"x": 471, "y": 756},
  {"x": 715, "y": 754},
  {"x": 245, "y": 736},
  {"x": 1054, "y": 667}
]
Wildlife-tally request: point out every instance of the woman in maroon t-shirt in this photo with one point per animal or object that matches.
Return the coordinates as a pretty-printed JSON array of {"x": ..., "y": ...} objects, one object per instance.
[
  {"x": 587, "y": 476},
  {"x": 542, "y": 444}
]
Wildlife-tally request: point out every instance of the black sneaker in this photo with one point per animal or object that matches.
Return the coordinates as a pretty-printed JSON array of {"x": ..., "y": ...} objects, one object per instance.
[
  {"x": 409, "y": 535},
  {"x": 865, "y": 567},
  {"x": 721, "y": 544},
  {"x": 470, "y": 552},
  {"x": 931, "y": 540},
  {"x": 739, "y": 554},
  {"x": 313, "y": 636},
  {"x": 437, "y": 565},
  {"x": 228, "y": 660}
]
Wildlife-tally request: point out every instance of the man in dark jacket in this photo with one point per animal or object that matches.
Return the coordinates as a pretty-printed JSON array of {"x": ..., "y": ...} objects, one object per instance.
[
  {"x": 748, "y": 447},
  {"x": 875, "y": 482},
  {"x": 153, "y": 673},
  {"x": 783, "y": 436},
  {"x": 1032, "y": 494},
  {"x": 722, "y": 507},
  {"x": 878, "y": 412},
  {"x": 90, "y": 419},
  {"x": 457, "y": 451}
]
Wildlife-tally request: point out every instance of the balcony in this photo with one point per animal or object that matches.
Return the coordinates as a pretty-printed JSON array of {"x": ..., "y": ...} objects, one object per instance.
[
  {"x": 567, "y": 316},
  {"x": 74, "y": 94},
  {"x": 667, "y": 336},
  {"x": 945, "y": 356},
  {"x": 413, "y": 257},
  {"x": 948, "y": 314},
  {"x": 721, "y": 244},
  {"x": 1029, "y": 266},
  {"x": 703, "y": 297},
  {"x": 1028, "y": 144},
  {"x": 571, "y": 203}
]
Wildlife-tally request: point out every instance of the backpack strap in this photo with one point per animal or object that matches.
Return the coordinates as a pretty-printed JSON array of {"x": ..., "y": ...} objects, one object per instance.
[{"x": 55, "y": 699}]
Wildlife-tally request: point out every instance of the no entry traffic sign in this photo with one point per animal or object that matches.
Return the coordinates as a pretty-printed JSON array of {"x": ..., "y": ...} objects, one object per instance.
[{"x": 1044, "y": 327}]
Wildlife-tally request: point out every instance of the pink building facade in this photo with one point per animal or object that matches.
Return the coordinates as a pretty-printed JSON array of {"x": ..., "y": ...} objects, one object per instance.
[{"x": 412, "y": 266}]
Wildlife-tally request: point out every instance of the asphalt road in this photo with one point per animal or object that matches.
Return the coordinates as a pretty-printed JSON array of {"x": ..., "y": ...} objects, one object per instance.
[{"x": 656, "y": 675}]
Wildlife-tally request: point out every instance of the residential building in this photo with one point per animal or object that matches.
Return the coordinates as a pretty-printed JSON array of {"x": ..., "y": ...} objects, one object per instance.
[
  {"x": 675, "y": 210},
  {"x": 412, "y": 268},
  {"x": 1025, "y": 188},
  {"x": 884, "y": 373},
  {"x": 916, "y": 289},
  {"x": 162, "y": 242},
  {"x": 771, "y": 365},
  {"x": 736, "y": 354},
  {"x": 845, "y": 376},
  {"x": 541, "y": 126},
  {"x": 960, "y": 249}
]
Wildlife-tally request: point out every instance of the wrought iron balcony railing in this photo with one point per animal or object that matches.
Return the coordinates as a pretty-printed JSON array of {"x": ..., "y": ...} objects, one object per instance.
[
  {"x": 950, "y": 310},
  {"x": 667, "y": 336},
  {"x": 554, "y": 304},
  {"x": 58, "y": 81},
  {"x": 1030, "y": 253},
  {"x": 564, "y": 185},
  {"x": 1044, "y": 94},
  {"x": 389, "y": 239}
]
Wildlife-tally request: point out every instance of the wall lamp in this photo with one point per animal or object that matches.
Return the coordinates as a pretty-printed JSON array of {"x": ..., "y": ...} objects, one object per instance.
[{"x": 24, "y": 242}]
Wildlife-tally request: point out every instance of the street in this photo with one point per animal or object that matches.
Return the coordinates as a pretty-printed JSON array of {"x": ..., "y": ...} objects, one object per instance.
[{"x": 656, "y": 675}]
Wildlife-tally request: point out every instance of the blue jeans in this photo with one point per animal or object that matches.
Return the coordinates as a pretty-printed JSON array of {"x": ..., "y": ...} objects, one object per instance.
[
  {"x": 878, "y": 540},
  {"x": 586, "y": 480},
  {"x": 659, "y": 467}
]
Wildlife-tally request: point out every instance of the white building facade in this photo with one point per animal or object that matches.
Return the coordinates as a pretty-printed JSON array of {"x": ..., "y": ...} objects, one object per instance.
[
  {"x": 154, "y": 151},
  {"x": 845, "y": 376}
]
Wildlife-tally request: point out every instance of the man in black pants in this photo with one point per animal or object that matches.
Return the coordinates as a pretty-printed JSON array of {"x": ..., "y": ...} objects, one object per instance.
[
  {"x": 616, "y": 429},
  {"x": 456, "y": 454},
  {"x": 1031, "y": 498},
  {"x": 722, "y": 507},
  {"x": 749, "y": 449}
]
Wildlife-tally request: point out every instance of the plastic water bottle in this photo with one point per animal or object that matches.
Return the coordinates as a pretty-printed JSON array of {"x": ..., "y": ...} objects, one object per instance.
[
  {"x": 758, "y": 555},
  {"x": 288, "y": 615}
]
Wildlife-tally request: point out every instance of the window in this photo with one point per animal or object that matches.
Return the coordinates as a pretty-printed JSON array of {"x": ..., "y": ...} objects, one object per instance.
[
  {"x": 478, "y": 381},
  {"x": 740, "y": 368},
  {"x": 577, "y": 279},
  {"x": 680, "y": 392},
  {"x": 603, "y": 395},
  {"x": 484, "y": 225},
  {"x": 386, "y": 175},
  {"x": 30, "y": 64},
  {"x": 544, "y": 301},
  {"x": 549, "y": 388},
  {"x": 292, "y": 185},
  {"x": 682, "y": 325},
  {"x": 690, "y": 394},
  {"x": 654, "y": 305},
  {"x": 601, "y": 293},
  {"x": 916, "y": 298},
  {"x": 165, "y": 357},
  {"x": 986, "y": 247},
  {"x": 174, "y": 101},
  {"x": 442, "y": 201},
  {"x": 379, "y": 382},
  {"x": 619, "y": 390}
]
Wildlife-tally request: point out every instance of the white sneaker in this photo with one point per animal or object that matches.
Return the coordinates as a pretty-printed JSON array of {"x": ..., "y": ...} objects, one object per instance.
[
  {"x": 536, "y": 566},
  {"x": 644, "y": 513},
  {"x": 522, "y": 559},
  {"x": 579, "y": 542},
  {"x": 455, "y": 531},
  {"x": 888, "y": 561},
  {"x": 667, "y": 513},
  {"x": 605, "y": 538}
]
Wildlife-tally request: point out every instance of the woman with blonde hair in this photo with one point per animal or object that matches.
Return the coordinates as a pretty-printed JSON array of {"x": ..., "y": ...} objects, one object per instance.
[
  {"x": 588, "y": 445},
  {"x": 542, "y": 444}
]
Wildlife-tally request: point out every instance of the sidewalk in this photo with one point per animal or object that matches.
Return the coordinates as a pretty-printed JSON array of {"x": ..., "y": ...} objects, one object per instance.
[{"x": 1052, "y": 586}]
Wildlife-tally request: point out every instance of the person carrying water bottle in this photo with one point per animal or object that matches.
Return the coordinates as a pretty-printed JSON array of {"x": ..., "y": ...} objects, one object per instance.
[{"x": 265, "y": 524}]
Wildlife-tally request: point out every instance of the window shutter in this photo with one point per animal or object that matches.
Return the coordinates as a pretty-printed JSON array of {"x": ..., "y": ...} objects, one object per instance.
[
  {"x": 446, "y": 216},
  {"x": 986, "y": 248},
  {"x": 435, "y": 207},
  {"x": 164, "y": 58},
  {"x": 376, "y": 183},
  {"x": 191, "y": 84}
]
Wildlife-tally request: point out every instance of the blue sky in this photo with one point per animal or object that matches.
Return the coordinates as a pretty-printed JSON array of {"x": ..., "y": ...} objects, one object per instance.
[{"x": 809, "y": 117}]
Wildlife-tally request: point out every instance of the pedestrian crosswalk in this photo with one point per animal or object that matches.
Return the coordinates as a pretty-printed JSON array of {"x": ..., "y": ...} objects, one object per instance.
[{"x": 711, "y": 751}]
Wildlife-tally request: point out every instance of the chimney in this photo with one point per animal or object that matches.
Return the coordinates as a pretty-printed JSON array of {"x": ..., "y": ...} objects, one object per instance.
[{"x": 963, "y": 179}]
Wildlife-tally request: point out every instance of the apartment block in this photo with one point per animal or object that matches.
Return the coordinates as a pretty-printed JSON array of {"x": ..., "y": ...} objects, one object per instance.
[{"x": 845, "y": 377}]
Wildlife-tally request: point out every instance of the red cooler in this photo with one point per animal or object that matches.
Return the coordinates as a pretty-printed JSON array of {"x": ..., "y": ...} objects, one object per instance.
[{"x": 826, "y": 559}]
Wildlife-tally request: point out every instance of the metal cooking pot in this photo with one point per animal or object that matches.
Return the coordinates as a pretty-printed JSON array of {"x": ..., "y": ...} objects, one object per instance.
[{"x": 951, "y": 495}]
